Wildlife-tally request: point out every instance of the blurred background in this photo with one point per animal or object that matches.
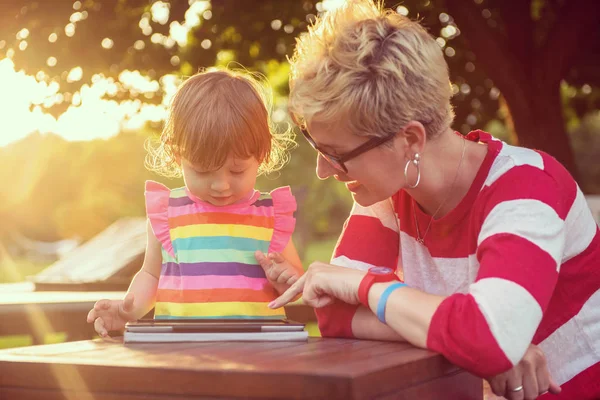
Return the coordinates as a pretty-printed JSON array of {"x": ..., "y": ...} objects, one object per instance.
[{"x": 84, "y": 83}]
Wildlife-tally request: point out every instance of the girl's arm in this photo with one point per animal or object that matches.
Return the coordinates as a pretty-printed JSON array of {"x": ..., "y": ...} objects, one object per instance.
[
  {"x": 145, "y": 283},
  {"x": 110, "y": 315}
]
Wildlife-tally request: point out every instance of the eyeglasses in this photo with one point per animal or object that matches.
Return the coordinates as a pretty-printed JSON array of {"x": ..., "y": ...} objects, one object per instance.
[{"x": 338, "y": 162}]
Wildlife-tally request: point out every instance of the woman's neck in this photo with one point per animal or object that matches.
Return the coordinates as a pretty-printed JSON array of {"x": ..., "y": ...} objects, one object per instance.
[{"x": 449, "y": 165}]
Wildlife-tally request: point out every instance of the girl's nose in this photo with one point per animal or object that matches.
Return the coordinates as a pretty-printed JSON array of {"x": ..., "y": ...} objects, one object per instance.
[{"x": 219, "y": 185}]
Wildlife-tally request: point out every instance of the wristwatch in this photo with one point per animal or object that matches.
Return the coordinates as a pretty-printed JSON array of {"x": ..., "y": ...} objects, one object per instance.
[{"x": 374, "y": 275}]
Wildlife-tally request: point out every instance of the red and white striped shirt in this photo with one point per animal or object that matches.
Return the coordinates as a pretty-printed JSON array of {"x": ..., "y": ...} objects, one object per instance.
[{"x": 518, "y": 258}]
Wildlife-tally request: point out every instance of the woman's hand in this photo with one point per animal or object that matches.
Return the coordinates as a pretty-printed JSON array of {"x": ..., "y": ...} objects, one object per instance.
[
  {"x": 530, "y": 376},
  {"x": 280, "y": 273},
  {"x": 111, "y": 315},
  {"x": 322, "y": 284}
]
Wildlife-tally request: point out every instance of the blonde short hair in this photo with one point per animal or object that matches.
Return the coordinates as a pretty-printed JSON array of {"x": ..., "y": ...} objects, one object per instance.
[
  {"x": 216, "y": 113},
  {"x": 372, "y": 67}
]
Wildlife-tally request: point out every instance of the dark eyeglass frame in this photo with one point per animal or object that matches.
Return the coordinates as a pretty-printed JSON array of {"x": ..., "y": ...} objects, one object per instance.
[{"x": 338, "y": 162}]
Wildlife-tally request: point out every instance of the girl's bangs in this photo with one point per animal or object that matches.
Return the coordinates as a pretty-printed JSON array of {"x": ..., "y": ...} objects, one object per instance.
[{"x": 208, "y": 143}]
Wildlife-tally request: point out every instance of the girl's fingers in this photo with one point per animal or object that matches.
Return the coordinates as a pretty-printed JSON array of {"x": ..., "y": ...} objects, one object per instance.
[
  {"x": 274, "y": 273},
  {"x": 91, "y": 317},
  {"x": 291, "y": 280},
  {"x": 264, "y": 262},
  {"x": 126, "y": 308},
  {"x": 267, "y": 265},
  {"x": 102, "y": 305},
  {"x": 100, "y": 328},
  {"x": 285, "y": 276},
  {"x": 276, "y": 257}
]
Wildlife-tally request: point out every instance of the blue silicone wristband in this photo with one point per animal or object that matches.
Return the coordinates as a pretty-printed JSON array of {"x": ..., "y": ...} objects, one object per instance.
[{"x": 384, "y": 298}]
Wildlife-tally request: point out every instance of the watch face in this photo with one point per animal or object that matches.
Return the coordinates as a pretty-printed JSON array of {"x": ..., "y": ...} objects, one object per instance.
[{"x": 381, "y": 270}]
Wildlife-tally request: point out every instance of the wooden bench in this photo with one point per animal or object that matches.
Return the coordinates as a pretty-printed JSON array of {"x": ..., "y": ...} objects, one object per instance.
[{"x": 24, "y": 311}]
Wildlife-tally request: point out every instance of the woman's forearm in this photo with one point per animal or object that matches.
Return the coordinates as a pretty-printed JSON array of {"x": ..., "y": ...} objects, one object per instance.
[
  {"x": 408, "y": 312},
  {"x": 365, "y": 325},
  {"x": 143, "y": 286}
]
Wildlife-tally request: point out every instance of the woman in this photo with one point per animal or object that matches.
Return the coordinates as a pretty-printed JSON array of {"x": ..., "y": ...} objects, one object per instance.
[{"x": 497, "y": 247}]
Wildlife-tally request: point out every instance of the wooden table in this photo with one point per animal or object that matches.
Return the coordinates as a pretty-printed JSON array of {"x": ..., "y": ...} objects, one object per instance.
[{"x": 319, "y": 368}]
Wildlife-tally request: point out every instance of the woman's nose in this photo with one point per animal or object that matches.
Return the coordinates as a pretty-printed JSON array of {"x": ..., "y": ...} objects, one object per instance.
[{"x": 324, "y": 168}]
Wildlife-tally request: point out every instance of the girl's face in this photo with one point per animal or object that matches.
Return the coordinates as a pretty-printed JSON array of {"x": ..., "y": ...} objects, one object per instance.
[
  {"x": 373, "y": 176},
  {"x": 227, "y": 185}
]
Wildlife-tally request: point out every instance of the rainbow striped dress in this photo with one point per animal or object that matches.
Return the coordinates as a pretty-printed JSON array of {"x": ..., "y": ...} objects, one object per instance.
[{"x": 208, "y": 264}]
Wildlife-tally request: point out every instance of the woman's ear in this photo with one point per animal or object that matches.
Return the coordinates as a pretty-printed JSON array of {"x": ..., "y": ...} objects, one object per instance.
[{"x": 414, "y": 138}]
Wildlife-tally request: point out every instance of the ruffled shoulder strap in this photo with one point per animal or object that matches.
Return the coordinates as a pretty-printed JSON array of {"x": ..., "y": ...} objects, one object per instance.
[
  {"x": 157, "y": 208},
  {"x": 284, "y": 205}
]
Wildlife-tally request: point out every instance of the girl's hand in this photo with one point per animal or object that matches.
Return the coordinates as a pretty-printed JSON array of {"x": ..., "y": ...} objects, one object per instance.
[
  {"x": 322, "y": 284},
  {"x": 111, "y": 315},
  {"x": 531, "y": 374},
  {"x": 280, "y": 273}
]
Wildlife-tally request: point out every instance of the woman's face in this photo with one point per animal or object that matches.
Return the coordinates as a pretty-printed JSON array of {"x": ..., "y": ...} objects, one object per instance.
[{"x": 372, "y": 176}]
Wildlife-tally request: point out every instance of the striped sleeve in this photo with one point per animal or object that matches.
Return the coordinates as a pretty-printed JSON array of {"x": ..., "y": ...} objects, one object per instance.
[
  {"x": 369, "y": 238},
  {"x": 519, "y": 249}
]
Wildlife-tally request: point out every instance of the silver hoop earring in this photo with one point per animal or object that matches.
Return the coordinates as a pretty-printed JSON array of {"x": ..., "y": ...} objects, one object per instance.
[{"x": 415, "y": 161}]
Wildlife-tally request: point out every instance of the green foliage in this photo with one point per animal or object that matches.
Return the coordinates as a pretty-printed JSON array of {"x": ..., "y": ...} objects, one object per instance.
[{"x": 55, "y": 189}]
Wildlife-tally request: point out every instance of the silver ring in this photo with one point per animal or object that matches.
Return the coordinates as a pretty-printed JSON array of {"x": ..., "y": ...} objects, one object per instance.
[{"x": 517, "y": 389}]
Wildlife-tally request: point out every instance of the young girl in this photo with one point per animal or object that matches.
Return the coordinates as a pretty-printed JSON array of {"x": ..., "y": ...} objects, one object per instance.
[{"x": 206, "y": 241}]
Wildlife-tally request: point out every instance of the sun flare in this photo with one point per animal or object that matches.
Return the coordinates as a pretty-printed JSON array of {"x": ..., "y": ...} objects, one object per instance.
[{"x": 24, "y": 98}]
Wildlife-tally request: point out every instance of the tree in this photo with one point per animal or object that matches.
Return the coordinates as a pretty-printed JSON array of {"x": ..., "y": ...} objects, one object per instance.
[
  {"x": 523, "y": 48},
  {"x": 518, "y": 52},
  {"x": 109, "y": 36},
  {"x": 527, "y": 48}
]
